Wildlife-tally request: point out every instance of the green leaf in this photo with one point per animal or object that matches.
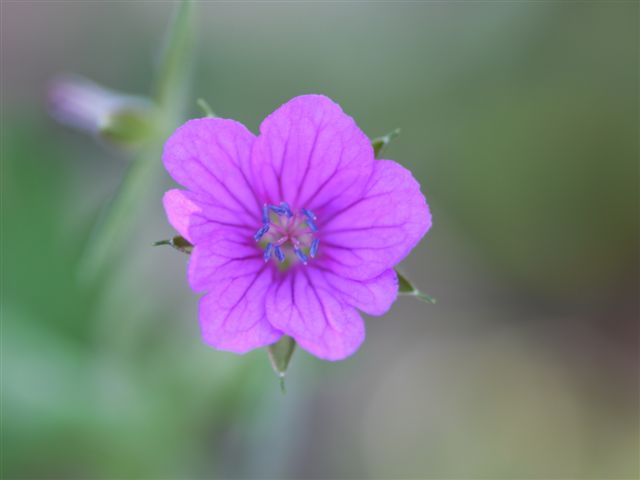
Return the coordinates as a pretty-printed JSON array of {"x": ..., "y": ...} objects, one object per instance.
[
  {"x": 178, "y": 242},
  {"x": 280, "y": 355},
  {"x": 380, "y": 143},
  {"x": 405, "y": 287}
]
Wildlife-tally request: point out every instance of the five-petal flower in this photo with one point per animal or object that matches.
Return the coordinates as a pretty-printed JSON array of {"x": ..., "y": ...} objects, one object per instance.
[{"x": 295, "y": 230}]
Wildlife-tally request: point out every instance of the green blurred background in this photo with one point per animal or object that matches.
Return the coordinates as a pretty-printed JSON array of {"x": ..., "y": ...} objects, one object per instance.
[{"x": 520, "y": 119}]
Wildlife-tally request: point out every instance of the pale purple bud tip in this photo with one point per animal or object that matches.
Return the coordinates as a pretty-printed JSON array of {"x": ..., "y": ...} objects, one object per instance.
[
  {"x": 313, "y": 250},
  {"x": 267, "y": 252}
]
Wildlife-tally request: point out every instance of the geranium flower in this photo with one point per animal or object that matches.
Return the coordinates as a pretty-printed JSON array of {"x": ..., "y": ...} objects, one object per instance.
[{"x": 295, "y": 231}]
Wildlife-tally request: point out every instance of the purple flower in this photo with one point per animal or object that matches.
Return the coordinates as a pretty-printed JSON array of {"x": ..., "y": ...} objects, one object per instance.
[{"x": 295, "y": 231}]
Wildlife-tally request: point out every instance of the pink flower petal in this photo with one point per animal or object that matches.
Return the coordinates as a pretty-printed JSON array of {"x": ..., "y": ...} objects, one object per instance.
[
  {"x": 301, "y": 306},
  {"x": 232, "y": 315},
  {"x": 195, "y": 216},
  {"x": 310, "y": 153},
  {"x": 378, "y": 230},
  {"x": 373, "y": 297},
  {"x": 211, "y": 157},
  {"x": 224, "y": 257},
  {"x": 180, "y": 210}
]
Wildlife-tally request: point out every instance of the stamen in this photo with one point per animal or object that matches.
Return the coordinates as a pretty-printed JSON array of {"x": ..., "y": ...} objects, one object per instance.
[
  {"x": 300, "y": 254},
  {"x": 312, "y": 224},
  {"x": 287, "y": 209},
  {"x": 279, "y": 254},
  {"x": 313, "y": 250},
  {"x": 260, "y": 233},
  {"x": 278, "y": 210},
  {"x": 287, "y": 230},
  {"x": 267, "y": 252},
  {"x": 308, "y": 213}
]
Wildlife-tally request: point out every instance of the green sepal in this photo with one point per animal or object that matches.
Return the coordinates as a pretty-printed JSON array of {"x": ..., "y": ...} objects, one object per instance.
[
  {"x": 206, "y": 108},
  {"x": 405, "y": 287},
  {"x": 380, "y": 143},
  {"x": 178, "y": 242},
  {"x": 128, "y": 127},
  {"x": 280, "y": 355}
]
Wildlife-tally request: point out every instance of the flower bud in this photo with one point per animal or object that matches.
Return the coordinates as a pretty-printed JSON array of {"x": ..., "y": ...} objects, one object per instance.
[{"x": 119, "y": 119}]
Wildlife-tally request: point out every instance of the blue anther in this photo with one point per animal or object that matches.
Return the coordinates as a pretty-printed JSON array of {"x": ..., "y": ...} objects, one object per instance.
[
  {"x": 277, "y": 210},
  {"x": 267, "y": 252},
  {"x": 260, "y": 233},
  {"x": 312, "y": 225},
  {"x": 308, "y": 213},
  {"x": 287, "y": 209},
  {"x": 279, "y": 254},
  {"x": 300, "y": 254},
  {"x": 313, "y": 250},
  {"x": 265, "y": 214}
]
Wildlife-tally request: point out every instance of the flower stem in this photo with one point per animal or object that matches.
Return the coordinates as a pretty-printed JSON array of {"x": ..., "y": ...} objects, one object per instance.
[{"x": 169, "y": 89}]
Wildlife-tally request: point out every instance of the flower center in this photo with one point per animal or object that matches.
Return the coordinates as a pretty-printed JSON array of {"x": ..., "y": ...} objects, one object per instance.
[{"x": 285, "y": 233}]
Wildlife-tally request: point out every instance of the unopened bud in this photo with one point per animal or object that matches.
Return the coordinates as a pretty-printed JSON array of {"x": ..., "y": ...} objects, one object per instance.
[{"x": 120, "y": 119}]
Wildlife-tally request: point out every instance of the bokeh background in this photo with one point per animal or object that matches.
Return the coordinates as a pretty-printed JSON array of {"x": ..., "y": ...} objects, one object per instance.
[{"x": 520, "y": 119}]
